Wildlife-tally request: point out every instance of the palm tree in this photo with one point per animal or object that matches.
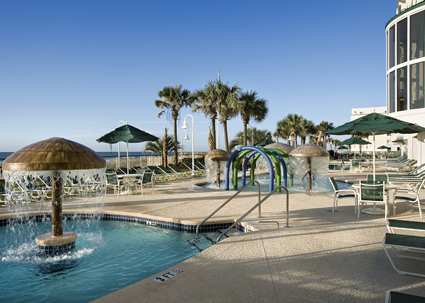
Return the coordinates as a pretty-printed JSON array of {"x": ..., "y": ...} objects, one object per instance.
[
  {"x": 173, "y": 99},
  {"x": 258, "y": 137},
  {"x": 251, "y": 107},
  {"x": 291, "y": 127},
  {"x": 322, "y": 132},
  {"x": 283, "y": 130},
  {"x": 308, "y": 129},
  {"x": 227, "y": 97},
  {"x": 206, "y": 102},
  {"x": 158, "y": 147}
]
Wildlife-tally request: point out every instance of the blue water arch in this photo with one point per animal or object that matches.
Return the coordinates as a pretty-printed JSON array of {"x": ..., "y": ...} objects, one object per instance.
[
  {"x": 278, "y": 156},
  {"x": 255, "y": 150}
]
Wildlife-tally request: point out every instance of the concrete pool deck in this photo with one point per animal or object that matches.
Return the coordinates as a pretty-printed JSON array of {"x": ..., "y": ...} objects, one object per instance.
[{"x": 320, "y": 258}]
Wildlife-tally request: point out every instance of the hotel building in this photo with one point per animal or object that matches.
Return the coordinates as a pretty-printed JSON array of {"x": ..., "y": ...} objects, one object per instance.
[{"x": 405, "y": 69}]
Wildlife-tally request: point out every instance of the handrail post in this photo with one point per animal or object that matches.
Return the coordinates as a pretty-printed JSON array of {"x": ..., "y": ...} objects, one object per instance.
[
  {"x": 259, "y": 198},
  {"x": 287, "y": 205}
]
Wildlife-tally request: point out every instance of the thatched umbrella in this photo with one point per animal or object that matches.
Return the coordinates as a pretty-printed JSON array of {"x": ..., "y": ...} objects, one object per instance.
[{"x": 54, "y": 156}]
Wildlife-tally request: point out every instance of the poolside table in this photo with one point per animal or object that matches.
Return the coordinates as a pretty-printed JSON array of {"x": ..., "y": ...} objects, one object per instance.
[
  {"x": 391, "y": 190},
  {"x": 129, "y": 181}
]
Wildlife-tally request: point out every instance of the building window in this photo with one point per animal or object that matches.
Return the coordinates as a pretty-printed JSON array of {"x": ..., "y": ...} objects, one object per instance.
[
  {"x": 417, "y": 35},
  {"x": 417, "y": 85},
  {"x": 391, "y": 46},
  {"x": 402, "y": 41},
  {"x": 402, "y": 89},
  {"x": 391, "y": 93}
]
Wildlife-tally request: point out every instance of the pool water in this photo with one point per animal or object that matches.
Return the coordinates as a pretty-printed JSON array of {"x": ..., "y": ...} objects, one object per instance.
[
  {"x": 321, "y": 184},
  {"x": 108, "y": 256}
]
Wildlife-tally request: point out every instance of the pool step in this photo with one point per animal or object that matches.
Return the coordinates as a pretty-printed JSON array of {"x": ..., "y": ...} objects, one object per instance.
[{"x": 199, "y": 242}]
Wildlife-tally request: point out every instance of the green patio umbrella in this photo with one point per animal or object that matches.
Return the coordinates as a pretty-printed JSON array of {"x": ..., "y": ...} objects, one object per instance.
[
  {"x": 126, "y": 134},
  {"x": 400, "y": 141},
  {"x": 376, "y": 124},
  {"x": 355, "y": 141},
  {"x": 384, "y": 147}
]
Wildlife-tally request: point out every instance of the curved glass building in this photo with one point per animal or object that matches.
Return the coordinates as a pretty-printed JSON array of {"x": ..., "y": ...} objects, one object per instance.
[{"x": 405, "y": 67}]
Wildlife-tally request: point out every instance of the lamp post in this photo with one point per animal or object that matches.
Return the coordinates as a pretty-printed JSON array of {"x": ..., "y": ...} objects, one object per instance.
[{"x": 185, "y": 127}]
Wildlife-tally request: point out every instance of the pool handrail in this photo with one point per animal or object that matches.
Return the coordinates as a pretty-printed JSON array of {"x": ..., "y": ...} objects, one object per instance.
[{"x": 221, "y": 207}]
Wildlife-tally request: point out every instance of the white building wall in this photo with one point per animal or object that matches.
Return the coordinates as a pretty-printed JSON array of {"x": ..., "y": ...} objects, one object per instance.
[{"x": 415, "y": 148}]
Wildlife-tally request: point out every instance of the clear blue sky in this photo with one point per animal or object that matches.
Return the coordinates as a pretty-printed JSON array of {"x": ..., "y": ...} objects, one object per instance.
[{"x": 76, "y": 69}]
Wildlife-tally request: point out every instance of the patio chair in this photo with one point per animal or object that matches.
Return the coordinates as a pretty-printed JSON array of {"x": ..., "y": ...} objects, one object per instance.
[
  {"x": 393, "y": 296},
  {"x": 412, "y": 194},
  {"x": 160, "y": 174},
  {"x": 181, "y": 169},
  {"x": 414, "y": 172},
  {"x": 188, "y": 166},
  {"x": 148, "y": 177},
  {"x": 372, "y": 193},
  {"x": 413, "y": 177},
  {"x": 200, "y": 162},
  {"x": 341, "y": 193},
  {"x": 379, "y": 179},
  {"x": 112, "y": 182},
  {"x": 121, "y": 171},
  {"x": 408, "y": 248}
]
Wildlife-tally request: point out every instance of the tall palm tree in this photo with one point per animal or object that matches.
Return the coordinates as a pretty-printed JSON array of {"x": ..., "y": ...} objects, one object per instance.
[
  {"x": 322, "y": 132},
  {"x": 227, "y": 97},
  {"x": 173, "y": 99},
  {"x": 206, "y": 102},
  {"x": 257, "y": 137},
  {"x": 251, "y": 107}
]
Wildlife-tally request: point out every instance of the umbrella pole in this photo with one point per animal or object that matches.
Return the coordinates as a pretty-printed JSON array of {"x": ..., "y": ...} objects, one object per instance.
[
  {"x": 373, "y": 152},
  {"x": 127, "y": 161},
  {"x": 119, "y": 157}
]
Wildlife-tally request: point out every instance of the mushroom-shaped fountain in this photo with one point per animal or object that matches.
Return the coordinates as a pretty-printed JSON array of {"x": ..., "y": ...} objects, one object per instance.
[
  {"x": 308, "y": 152},
  {"x": 284, "y": 148},
  {"x": 55, "y": 163},
  {"x": 215, "y": 161}
]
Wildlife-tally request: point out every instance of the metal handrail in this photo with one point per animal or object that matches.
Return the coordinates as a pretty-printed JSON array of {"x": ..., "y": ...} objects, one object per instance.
[
  {"x": 260, "y": 202},
  {"x": 221, "y": 206},
  {"x": 287, "y": 204},
  {"x": 244, "y": 215}
]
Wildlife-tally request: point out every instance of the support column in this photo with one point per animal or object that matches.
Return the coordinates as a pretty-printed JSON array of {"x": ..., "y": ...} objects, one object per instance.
[{"x": 57, "y": 229}]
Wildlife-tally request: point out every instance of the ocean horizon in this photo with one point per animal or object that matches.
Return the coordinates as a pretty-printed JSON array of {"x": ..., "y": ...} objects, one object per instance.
[{"x": 104, "y": 155}]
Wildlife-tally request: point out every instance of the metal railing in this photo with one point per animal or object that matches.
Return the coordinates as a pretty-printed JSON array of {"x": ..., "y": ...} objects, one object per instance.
[
  {"x": 243, "y": 216},
  {"x": 287, "y": 204},
  {"x": 259, "y": 203},
  {"x": 223, "y": 205},
  {"x": 236, "y": 223}
]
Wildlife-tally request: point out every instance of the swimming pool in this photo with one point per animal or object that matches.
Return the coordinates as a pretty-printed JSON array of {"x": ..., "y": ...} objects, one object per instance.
[{"x": 109, "y": 255}]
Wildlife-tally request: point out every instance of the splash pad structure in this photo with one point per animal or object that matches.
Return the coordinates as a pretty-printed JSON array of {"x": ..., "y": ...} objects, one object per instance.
[
  {"x": 215, "y": 164},
  {"x": 53, "y": 170},
  {"x": 274, "y": 157},
  {"x": 306, "y": 161}
]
